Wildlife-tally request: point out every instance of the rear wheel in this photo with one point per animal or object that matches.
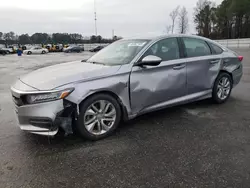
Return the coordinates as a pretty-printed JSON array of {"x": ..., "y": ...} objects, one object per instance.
[
  {"x": 222, "y": 88},
  {"x": 99, "y": 117}
]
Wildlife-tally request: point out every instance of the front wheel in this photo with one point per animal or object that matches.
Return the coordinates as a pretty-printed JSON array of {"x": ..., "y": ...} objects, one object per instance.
[
  {"x": 43, "y": 52},
  {"x": 222, "y": 88},
  {"x": 29, "y": 53},
  {"x": 99, "y": 117}
]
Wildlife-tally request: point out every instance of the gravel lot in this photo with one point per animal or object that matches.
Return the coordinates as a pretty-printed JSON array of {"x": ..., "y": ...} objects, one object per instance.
[{"x": 195, "y": 145}]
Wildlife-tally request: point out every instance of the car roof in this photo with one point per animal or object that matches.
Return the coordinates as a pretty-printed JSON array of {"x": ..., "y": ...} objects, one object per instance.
[{"x": 157, "y": 37}]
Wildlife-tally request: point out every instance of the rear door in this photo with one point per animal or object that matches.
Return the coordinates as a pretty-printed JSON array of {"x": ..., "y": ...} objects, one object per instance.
[
  {"x": 202, "y": 65},
  {"x": 74, "y": 49},
  {"x": 36, "y": 50},
  {"x": 39, "y": 50}
]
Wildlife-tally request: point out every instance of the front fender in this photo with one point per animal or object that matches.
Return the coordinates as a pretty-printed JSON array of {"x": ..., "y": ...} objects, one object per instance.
[{"x": 116, "y": 84}]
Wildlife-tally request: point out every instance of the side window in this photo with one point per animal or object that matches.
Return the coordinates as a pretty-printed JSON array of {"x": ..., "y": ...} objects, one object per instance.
[
  {"x": 196, "y": 47},
  {"x": 216, "y": 48},
  {"x": 166, "y": 49}
]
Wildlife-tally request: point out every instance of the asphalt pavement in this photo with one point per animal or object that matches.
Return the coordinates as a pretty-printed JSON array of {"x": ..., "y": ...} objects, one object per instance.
[{"x": 195, "y": 145}]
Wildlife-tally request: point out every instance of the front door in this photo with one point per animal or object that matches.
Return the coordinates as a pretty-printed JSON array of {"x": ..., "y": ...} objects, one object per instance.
[{"x": 153, "y": 85}]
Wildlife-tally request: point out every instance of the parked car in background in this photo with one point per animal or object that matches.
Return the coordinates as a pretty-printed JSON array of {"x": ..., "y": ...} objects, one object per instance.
[
  {"x": 9, "y": 49},
  {"x": 3, "y": 52},
  {"x": 128, "y": 78},
  {"x": 24, "y": 47},
  {"x": 71, "y": 49},
  {"x": 36, "y": 50},
  {"x": 55, "y": 48},
  {"x": 97, "y": 49}
]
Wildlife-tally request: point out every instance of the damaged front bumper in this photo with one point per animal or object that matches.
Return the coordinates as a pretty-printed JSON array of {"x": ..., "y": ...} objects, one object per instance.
[{"x": 44, "y": 118}]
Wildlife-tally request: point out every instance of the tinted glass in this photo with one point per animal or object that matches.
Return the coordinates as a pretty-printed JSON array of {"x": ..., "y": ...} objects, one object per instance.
[
  {"x": 166, "y": 49},
  {"x": 119, "y": 52},
  {"x": 216, "y": 48},
  {"x": 196, "y": 47}
]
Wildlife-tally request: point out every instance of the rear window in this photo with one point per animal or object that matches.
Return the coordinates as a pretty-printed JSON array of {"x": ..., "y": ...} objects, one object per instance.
[{"x": 216, "y": 49}]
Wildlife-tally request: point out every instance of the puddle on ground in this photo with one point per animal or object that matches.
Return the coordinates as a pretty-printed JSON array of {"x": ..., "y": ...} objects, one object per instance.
[{"x": 199, "y": 113}]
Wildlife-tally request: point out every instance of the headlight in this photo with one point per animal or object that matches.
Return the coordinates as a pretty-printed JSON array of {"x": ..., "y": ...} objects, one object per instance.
[{"x": 45, "y": 97}]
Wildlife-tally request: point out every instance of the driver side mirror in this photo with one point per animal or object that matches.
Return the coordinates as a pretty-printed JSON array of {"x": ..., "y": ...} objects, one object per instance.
[{"x": 150, "y": 60}]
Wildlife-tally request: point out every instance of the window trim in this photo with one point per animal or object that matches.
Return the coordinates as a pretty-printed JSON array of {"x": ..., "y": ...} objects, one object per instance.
[
  {"x": 213, "y": 50},
  {"x": 185, "y": 51},
  {"x": 178, "y": 43}
]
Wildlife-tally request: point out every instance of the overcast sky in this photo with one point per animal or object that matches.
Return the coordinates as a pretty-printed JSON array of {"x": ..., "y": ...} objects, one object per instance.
[{"x": 126, "y": 17}]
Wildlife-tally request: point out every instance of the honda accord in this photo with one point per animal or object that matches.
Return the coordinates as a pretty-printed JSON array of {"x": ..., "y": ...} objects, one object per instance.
[{"x": 128, "y": 78}]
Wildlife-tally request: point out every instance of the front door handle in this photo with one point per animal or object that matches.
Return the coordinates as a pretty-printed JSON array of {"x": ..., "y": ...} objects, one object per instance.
[
  {"x": 178, "y": 67},
  {"x": 214, "y": 61}
]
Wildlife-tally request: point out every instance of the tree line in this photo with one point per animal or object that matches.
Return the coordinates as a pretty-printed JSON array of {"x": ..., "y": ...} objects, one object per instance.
[
  {"x": 55, "y": 38},
  {"x": 181, "y": 16},
  {"x": 228, "y": 20}
]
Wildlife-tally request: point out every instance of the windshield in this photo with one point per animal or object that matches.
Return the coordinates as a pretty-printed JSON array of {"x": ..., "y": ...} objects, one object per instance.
[{"x": 118, "y": 53}]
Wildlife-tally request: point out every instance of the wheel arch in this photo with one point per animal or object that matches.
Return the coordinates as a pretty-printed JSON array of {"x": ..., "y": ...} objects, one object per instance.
[
  {"x": 115, "y": 96},
  {"x": 229, "y": 73}
]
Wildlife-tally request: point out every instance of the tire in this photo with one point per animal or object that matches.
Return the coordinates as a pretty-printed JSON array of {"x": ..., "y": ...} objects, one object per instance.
[
  {"x": 224, "y": 88},
  {"x": 43, "y": 52},
  {"x": 98, "y": 130},
  {"x": 8, "y": 52},
  {"x": 29, "y": 53}
]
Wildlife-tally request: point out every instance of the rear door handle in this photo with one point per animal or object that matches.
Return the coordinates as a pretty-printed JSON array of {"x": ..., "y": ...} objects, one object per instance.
[
  {"x": 178, "y": 67},
  {"x": 214, "y": 61}
]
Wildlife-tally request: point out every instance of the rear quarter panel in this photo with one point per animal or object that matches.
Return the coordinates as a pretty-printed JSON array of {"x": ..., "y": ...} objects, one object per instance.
[{"x": 232, "y": 65}]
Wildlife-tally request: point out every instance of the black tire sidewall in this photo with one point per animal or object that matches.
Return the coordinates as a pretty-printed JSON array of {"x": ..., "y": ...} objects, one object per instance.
[
  {"x": 29, "y": 53},
  {"x": 80, "y": 126},
  {"x": 214, "y": 94},
  {"x": 43, "y": 52}
]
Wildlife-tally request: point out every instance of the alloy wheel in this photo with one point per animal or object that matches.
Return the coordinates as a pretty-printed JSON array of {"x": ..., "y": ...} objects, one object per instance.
[
  {"x": 100, "y": 117},
  {"x": 223, "y": 88}
]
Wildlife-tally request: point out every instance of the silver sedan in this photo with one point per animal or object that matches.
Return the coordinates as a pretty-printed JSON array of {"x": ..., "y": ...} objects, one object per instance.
[{"x": 128, "y": 78}]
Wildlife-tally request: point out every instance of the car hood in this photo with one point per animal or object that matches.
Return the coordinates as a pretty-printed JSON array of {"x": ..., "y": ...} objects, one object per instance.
[{"x": 54, "y": 76}]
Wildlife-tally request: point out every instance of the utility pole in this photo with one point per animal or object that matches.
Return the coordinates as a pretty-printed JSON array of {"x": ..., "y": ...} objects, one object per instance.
[
  {"x": 113, "y": 33},
  {"x": 95, "y": 17}
]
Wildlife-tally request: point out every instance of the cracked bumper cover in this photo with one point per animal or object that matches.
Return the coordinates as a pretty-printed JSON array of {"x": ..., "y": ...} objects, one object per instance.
[
  {"x": 44, "y": 118},
  {"x": 40, "y": 118}
]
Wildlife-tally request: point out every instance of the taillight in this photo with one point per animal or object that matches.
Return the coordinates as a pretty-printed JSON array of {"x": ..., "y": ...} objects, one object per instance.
[{"x": 240, "y": 58}]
